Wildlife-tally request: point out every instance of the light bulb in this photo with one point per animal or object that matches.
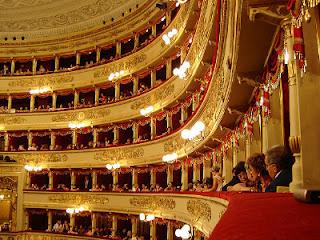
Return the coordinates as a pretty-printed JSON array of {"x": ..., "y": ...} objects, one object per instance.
[
  {"x": 185, "y": 134},
  {"x": 142, "y": 216}
]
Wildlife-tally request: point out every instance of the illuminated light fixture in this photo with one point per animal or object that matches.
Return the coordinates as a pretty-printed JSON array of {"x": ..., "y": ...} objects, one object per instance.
[
  {"x": 177, "y": 4},
  {"x": 163, "y": 18},
  {"x": 146, "y": 111},
  {"x": 115, "y": 75},
  {"x": 147, "y": 218},
  {"x": 190, "y": 40},
  {"x": 182, "y": 1},
  {"x": 184, "y": 232},
  {"x": 196, "y": 130},
  {"x": 286, "y": 56},
  {"x": 30, "y": 168},
  {"x": 1, "y": 197},
  {"x": 181, "y": 72},
  {"x": 83, "y": 124},
  {"x": 170, "y": 157},
  {"x": 167, "y": 37},
  {"x": 113, "y": 166},
  {"x": 40, "y": 90}
]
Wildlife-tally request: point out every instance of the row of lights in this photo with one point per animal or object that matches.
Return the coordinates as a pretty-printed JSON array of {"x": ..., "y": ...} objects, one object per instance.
[
  {"x": 170, "y": 157},
  {"x": 30, "y": 168},
  {"x": 147, "y": 218},
  {"x": 146, "y": 111},
  {"x": 184, "y": 232},
  {"x": 82, "y": 124},
  {"x": 113, "y": 166},
  {"x": 115, "y": 75},
  {"x": 196, "y": 130},
  {"x": 40, "y": 90}
]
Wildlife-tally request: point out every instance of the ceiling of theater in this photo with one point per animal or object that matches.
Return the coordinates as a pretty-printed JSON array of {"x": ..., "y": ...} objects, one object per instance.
[{"x": 45, "y": 17}]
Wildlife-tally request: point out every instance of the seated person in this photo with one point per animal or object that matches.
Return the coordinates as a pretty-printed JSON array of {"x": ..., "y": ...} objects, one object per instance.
[
  {"x": 158, "y": 188},
  {"x": 33, "y": 147},
  {"x": 241, "y": 174},
  {"x": 233, "y": 181},
  {"x": 125, "y": 188},
  {"x": 169, "y": 188},
  {"x": 279, "y": 163},
  {"x": 136, "y": 188},
  {"x": 21, "y": 148},
  {"x": 144, "y": 188}
]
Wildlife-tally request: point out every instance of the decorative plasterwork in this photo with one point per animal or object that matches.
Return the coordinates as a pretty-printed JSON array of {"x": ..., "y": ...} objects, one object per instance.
[
  {"x": 11, "y": 120},
  {"x": 120, "y": 154},
  {"x": 43, "y": 81},
  {"x": 80, "y": 116},
  {"x": 199, "y": 209},
  {"x": 268, "y": 11},
  {"x": 153, "y": 203},
  {"x": 25, "y": 158},
  {"x": 79, "y": 199}
]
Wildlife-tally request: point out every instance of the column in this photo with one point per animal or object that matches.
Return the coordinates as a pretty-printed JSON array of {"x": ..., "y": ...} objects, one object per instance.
[
  {"x": 154, "y": 30},
  {"x": 73, "y": 180},
  {"x": 169, "y": 174},
  {"x": 6, "y": 141},
  {"x": 95, "y": 137},
  {"x": 94, "y": 180},
  {"x": 76, "y": 98},
  {"x": 227, "y": 165},
  {"x": 170, "y": 231},
  {"x": 26, "y": 220},
  {"x": 153, "y": 177},
  {"x": 118, "y": 49},
  {"x": 49, "y": 220},
  {"x": 294, "y": 110},
  {"x": 56, "y": 63},
  {"x": 78, "y": 58},
  {"x": 195, "y": 101},
  {"x": 96, "y": 96},
  {"x": 169, "y": 68},
  {"x": 115, "y": 177},
  {"x": 52, "y": 140},
  {"x": 153, "y": 77},
  {"x": 9, "y": 102},
  {"x": 32, "y": 99},
  {"x": 117, "y": 90},
  {"x": 50, "y": 175},
  {"x": 183, "y": 114},
  {"x": 196, "y": 172},
  {"x": 27, "y": 177},
  {"x": 134, "y": 177},
  {"x": 136, "y": 41},
  {"x": 168, "y": 18},
  {"x": 13, "y": 66},
  {"x": 135, "y": 85},
  {"x": 93, "y": 222},
  {"x": 264, "y": 126},
  {"x": 234, "y": 153},
  {"x": 114, "y": 225},
  {"x": 247, "y": 142},
  {"x": 98, "y": 54},
  {"x": 116, "y": 135},
  {"x": 169, "y": 121},
  {"x": 153, "y": 230},
  {"x": 29, "y": 139},
  {"x": 74, "y": 137},
  {"x": 184, "y": 176},
  {"x": 34, "y": 66},
  {"x": 135, "y": 132},
  {"x": 206, "y": 168},
  {"x": 153, "y": 128},
  {"x": 134, "y": 226},
  {"x": 72, "y": 220},
  {"x": 54, "y": 101}
]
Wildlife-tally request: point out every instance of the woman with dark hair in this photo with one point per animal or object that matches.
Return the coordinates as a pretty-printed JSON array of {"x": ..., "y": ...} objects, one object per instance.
[{"x": 242, "y": 178}]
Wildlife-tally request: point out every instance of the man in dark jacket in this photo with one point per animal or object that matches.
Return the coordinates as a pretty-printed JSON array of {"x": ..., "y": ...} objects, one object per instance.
[{"x": 279, "y": 163}]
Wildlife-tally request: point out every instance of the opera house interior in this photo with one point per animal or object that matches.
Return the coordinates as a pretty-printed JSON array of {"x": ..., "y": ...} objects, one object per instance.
[{"x": 159, "y": 119}]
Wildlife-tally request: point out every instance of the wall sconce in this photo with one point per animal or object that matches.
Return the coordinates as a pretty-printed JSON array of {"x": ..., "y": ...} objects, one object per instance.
[
  {"x": 167, "y": 37},
  {"x": 30, "y": 168},
  {"x": 196, "y": 130},
  {"x": 146, "y": 111},
  {"x": 147, "y": 218},
  {"x": 82, "y": 124},
  {"x": 74, "y": 210},
  {"x": 113, "y": 166},
  {"x": 181, "y": 72},
  {"x": 170, "y": 157},
  {"x": 115, "y": 75},
  {"x": 184, "y": 232},
  {"x": 40, "y": 90}
]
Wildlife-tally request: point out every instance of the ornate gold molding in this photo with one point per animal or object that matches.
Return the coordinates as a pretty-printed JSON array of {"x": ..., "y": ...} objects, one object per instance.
[
  {"x": 25, "y": 158},
  {"x": 79, "y": 199},
  {"x": 43, "y": 81},
  {"x": 199, "y": 209},
  {"x": 153, "y": 203},
  {"x": 119, "y": 154},
  {"x": 80, "y": 116},
  {"x": 11, "y": 120},
  {"x": 268, "y": 11}
]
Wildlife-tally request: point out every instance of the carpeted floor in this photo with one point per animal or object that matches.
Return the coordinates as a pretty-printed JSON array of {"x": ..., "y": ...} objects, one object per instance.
[{"x": 267, "y": 216}]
